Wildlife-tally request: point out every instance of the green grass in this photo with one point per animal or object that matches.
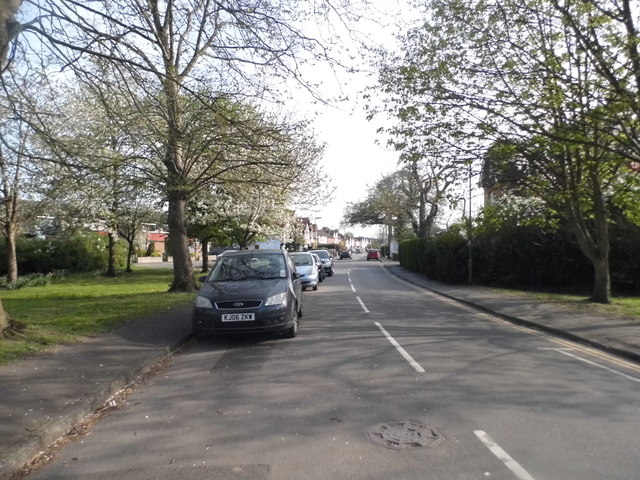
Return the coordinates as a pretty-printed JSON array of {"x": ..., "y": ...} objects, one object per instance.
[
  {"x": 82, "y": 305},
  {"x": 619, "y": 307}
]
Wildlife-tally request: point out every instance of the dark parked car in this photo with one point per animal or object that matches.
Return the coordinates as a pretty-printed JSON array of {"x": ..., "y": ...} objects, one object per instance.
[
  {"x": 307, "y": 267},
  {"x": 250, "y": 291},
  {"x": 345, "y": 254},
  {"x": 373, "y": 254},
  {"x": 327, "y": 261}
]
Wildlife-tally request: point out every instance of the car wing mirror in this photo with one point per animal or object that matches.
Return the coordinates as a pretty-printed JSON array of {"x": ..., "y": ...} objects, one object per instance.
[{"x": 202, "y": 279}]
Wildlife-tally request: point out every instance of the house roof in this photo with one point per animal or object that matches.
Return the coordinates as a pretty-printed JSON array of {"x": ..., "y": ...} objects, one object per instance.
[{"x": 156, "y": 237}]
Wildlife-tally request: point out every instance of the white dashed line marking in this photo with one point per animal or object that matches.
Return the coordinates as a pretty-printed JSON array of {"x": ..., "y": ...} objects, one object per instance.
[
  {"x": 363, "y": 305},
  {"x": 503, "y": 456},
  {"x": 416, "y": 366}
]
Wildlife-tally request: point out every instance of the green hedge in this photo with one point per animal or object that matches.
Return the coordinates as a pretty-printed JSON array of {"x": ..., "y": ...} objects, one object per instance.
[
  {"x": 442, "y": 258},
  {"x": 73, "y": 253},
  {"x": 524, "y": 257}
]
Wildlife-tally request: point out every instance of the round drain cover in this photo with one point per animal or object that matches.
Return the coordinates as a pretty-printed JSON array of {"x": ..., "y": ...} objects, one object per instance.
[{"x": 404, "y": 434}]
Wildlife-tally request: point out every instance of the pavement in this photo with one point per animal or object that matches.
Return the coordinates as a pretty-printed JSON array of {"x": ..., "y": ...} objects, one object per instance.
[{"x": 44, "y": 396}]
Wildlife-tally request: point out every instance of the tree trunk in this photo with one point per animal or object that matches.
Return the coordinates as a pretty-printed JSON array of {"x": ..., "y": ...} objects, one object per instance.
[
  {"x": 12, "y": 259},
  {"x": 4, "y": 320},
  {"x": 183, "y": 280},
  {"x": 111, "y": 263},
  {"x": 205, "y": 256},
  {"x": 595, "y": 246},
  {"x": 602, "y": 282},
  {"x": 8, "y": 27},
  {"x": 129, "y": 255}
]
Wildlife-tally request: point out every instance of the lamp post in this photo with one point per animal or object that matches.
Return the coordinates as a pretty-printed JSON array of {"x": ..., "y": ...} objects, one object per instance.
[{"x": 315, "y": 240}]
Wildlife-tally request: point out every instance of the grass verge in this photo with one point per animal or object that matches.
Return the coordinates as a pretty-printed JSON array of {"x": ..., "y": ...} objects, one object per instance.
[
  {"x": 628, "y": 307},
  {"x": 82, "y": 305}
]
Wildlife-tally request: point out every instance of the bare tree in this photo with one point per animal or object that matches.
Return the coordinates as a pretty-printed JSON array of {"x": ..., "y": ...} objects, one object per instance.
[
  {"x": 9, "y": 29},
  {"x": 554, "y": 76},
  {"x": 163, "y": 52}
]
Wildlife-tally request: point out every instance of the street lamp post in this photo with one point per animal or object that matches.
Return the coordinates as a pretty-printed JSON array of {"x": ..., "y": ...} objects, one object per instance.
[{"x": 315, "y": 240}]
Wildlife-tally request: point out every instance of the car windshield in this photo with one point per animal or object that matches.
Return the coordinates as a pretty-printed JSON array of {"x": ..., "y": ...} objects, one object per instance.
[
  {"x": 322, "y": 253},
  {"x": 248, "y": 267},
  {"x": 302, "y": 260}
]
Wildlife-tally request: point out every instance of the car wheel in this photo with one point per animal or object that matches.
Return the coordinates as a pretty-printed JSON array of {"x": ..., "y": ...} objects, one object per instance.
[
  {"x": 315, "y": 287},
  {"x": 331, "y": 272},
  {"x": 200, "y": 335},
  {"x": 293, "y": 331}
]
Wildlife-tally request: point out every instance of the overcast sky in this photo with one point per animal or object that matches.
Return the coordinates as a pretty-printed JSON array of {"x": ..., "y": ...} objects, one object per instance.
[{"x": 356, "y": 156}]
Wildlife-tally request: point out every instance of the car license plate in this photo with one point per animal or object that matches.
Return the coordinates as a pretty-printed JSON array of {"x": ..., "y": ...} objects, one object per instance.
[{"x": 238, "y": 317}]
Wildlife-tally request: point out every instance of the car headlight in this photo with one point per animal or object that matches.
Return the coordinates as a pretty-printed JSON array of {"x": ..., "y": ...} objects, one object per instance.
[
  {"x": 203, "y": 302},
  {"x": 279, "y": 299}
]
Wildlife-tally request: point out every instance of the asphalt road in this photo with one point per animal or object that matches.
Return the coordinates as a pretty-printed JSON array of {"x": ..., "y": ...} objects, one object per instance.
[{"x": 450, "y": 393}]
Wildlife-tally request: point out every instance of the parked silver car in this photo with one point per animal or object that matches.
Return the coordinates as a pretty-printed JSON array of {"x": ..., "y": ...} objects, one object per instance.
[
  {"x": 307, "y": 267},
  {"x": 250, "y": 291}
]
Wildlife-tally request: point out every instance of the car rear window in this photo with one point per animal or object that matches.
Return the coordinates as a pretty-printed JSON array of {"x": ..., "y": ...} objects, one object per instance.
[
  {"x": 300, "y": 260},
  {"x": 235, "y": 268}
]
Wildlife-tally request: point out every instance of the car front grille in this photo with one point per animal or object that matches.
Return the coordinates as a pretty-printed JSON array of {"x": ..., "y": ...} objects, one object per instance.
[{"x": 237, "y": 304}]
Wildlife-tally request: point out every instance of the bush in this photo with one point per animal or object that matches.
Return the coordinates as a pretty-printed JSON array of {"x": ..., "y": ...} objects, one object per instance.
[
  {"x": 73, "y": 253},
  {"x": 538, "y": 256},
  {"x": 447, "y": 255},
  {"x": 30, "y": 280},
  {"x": 530, "y": 256},
  {"x": 442, "y": 258},
  {"x": 408, "y": 254}
]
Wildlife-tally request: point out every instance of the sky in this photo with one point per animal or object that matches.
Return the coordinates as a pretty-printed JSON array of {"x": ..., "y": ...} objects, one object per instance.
[
  {"x": 353, "y": 160},
  {"x": 356, "y": 156}
]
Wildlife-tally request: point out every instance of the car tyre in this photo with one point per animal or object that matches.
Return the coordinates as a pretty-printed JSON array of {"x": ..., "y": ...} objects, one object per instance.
[
  {"x": 293, "y": 331},
  {"x": 331, "y": 272},
  {"x": 315, "y": 287},
  {"x": 201, "y": 336}
]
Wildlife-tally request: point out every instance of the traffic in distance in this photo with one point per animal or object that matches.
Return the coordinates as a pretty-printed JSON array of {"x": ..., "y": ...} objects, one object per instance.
[{"x": 260, "y": 291}]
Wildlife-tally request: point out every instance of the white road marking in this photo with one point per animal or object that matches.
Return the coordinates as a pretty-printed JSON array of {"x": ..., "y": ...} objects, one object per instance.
[
  {"x": 503, "y": 456},
  {"x": 353, "y": 288},
  {"x": 594, "y": 364},
  {"x": 366, "y": 310},
  {"x": 416, "y": 366}
]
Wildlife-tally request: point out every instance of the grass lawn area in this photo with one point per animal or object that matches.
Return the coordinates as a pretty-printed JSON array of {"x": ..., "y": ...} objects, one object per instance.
[
  {"x": 619, "y": 307},
  {"x": 83, "y": 305}
]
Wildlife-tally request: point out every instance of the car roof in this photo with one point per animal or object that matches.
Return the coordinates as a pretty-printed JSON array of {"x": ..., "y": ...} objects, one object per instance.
[{"x": 241, "y": 253}]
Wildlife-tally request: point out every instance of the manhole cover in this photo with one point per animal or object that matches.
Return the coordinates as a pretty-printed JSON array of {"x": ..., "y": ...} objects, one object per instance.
[{"x": 404, "y": 434}]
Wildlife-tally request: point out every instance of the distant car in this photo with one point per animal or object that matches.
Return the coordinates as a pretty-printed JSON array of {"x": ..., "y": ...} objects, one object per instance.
[
  {"x": 345, "y": 254},
  {"x": 307, "y": 267},
  {"x": 327, "y": 261},
  {"x": 321, "y": 274},
  {"x": 249, "y": 291},
  {"x": 373, "y": 254}
]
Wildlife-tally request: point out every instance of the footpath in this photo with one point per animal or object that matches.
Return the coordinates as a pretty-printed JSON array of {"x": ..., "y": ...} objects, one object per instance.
[{"x": 43, "y": 397}]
